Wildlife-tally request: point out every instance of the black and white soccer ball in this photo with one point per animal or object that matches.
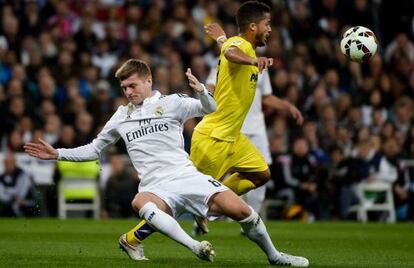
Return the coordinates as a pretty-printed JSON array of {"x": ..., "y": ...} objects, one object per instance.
[{"x": 359, "y": 44}]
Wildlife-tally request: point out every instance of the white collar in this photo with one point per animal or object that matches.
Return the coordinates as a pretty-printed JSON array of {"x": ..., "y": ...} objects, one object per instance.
[{"x": 153, "y": 98}]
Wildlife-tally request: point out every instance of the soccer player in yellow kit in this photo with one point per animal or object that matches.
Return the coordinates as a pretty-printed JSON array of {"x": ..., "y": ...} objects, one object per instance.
[
  {"x": 254, "y": 124},
  {"x": 217, "y": 145}
]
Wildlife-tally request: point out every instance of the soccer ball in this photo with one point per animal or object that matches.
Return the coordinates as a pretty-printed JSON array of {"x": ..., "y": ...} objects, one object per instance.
[{"x": 359, "y": 44}]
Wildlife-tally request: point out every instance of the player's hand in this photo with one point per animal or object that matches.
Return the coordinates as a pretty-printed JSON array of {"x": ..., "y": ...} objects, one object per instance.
[
  {"x": 193, "y": 82},
  {"x": 42, "y": 150},
  {"x": 296, "y": 114},
  {"x": 214, "y": 31},
  {"x": 262, "y": 63}
]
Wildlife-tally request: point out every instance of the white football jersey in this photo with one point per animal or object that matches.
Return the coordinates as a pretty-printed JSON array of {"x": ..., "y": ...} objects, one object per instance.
[
  {"x": 254, "y": 122},
  {"x": 152, "y": 135}
]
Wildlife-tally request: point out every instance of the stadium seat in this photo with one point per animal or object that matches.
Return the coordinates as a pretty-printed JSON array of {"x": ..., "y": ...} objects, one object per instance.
[
  {"x": 78, "y": 189},
  {"x": 367, "y": 193}
]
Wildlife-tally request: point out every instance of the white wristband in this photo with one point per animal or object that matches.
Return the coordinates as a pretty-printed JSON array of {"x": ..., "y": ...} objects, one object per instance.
[{"x": 221, "y": 39}]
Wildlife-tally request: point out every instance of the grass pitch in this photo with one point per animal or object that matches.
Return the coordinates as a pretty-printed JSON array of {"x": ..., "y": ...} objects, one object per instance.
[{"x": 88, "y": 243}]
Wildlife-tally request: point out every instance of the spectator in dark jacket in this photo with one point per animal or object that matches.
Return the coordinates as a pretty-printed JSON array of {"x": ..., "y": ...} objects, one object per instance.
[{"x": 17, "y": 191}]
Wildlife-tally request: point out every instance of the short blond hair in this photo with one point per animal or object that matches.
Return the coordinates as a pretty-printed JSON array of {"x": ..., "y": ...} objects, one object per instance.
[{"x": 131, "y": 67}]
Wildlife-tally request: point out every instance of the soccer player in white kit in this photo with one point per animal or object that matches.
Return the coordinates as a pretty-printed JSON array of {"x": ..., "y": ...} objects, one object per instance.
[{"x": 151, "y": 127}]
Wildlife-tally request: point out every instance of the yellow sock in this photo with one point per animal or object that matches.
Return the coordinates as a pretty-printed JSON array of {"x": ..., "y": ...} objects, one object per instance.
[
  {"x": 137, "y": 234},
  {"x": 238, "y": 184}
]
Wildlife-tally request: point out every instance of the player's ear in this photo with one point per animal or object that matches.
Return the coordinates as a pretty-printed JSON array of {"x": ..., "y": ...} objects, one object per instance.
[
  {"x": 149, "y": 80},
  {"x": 252, "y": 26}
]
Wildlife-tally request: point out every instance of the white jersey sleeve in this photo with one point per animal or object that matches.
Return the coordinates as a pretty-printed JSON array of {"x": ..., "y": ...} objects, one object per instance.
[
  {"x": 92, "y": 151},
  {"x": 190, "y": 107},
  {"x": 212, "y": 77},
  {"x": 264, "y": 84}
]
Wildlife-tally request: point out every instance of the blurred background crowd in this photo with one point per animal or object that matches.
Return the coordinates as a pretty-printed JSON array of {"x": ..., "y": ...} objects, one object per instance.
[{"x": 57, "y": 64}]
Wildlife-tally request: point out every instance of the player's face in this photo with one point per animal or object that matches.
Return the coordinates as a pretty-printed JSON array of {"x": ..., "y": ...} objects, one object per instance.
[
  {"x": 136, "y": 88},
  {"x": 263, "y": 31}
]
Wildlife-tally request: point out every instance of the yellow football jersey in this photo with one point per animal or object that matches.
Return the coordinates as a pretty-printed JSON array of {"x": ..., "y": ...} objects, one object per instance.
[{"x": 234, "y": 93}]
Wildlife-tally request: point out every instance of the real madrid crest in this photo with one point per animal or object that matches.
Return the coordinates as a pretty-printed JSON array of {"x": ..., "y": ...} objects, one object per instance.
[{"x": 159, "y": 111}]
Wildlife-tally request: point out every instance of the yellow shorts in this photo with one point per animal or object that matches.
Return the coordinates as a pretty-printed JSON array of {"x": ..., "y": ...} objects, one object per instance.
[{"x": 216, "y": 157}]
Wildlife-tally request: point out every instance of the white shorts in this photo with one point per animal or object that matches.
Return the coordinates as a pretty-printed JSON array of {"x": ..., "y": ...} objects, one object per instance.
[
  {"x": 188, "y": 192},
  {"x": 261, "y": 141}
]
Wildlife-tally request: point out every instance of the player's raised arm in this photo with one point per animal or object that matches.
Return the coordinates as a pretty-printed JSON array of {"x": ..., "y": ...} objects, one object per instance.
[
  {"x": 206, "y": 99},
  {"x": 236, "y": 55},
  {"x": 233, "y": 53}
]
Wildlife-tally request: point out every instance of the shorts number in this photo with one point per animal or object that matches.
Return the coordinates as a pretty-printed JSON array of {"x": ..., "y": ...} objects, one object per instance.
[{"x": 215, "y": 183}]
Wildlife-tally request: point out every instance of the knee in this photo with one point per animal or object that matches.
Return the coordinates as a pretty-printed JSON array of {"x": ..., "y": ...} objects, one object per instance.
[
  {"x": 245, "y": 212},
  {"x": 142, "y": 206},
  {"x": 136, "y": 204}
]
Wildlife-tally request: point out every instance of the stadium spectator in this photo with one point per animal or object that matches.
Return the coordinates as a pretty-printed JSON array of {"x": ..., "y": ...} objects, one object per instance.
[
  {"x": 101, "y": 104},
  {"x": 51, "y": 129},
  {"x": 386, "y": 169},
  {"x": 404, "y": 193},
  {"x": 83, "y": 127},
  {"x": 120, "y": 188},
  {"x": 295, "y": 176},
  {"x": 17, "y": 191},
  {"x": 16, "y": 109},
  {"x": 403, "y": 112}
]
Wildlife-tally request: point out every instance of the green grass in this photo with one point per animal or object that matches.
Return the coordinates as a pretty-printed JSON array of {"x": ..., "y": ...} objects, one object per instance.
[{"x": 88, "y": 243}]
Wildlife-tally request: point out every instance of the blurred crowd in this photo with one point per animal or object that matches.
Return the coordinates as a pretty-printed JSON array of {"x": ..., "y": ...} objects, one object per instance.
[{"x": 58, "y": 58}]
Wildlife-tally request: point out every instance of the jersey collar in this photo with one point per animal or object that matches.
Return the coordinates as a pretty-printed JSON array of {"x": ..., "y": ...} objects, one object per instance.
[{"x": 152, "y": 99}]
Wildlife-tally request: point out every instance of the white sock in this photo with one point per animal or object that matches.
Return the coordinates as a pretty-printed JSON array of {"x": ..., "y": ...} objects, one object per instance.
[
  {"x": 255, "y": 198},
  {"x": 255, "y": 230},
  {"x": 167, "y": 225}
]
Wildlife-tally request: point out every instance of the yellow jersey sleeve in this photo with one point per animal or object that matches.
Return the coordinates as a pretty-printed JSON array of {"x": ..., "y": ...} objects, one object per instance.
[
  {"x": 239, "y": 42},
  {"x": 234, "y": 93}
]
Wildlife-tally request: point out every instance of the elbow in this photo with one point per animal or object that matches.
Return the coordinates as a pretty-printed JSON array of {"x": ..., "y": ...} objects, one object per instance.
[{"x": 228, "y": 54}]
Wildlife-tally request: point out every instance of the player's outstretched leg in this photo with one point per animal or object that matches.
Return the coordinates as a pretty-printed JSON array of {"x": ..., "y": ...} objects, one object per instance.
[
  {"x": 154, "y": 210},
  {"x": 255, "y": 230},
  {"x": 229, "y": 204},
  {"x": 164, "y": 223}
]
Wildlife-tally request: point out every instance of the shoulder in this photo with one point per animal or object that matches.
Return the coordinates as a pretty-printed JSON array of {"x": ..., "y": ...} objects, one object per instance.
[
  {"x": 173, "y": 101},
  {"x": 120, "y": 113},
  {"x": 181, "y": 95},
  {"x": 122, "y": 110},
  {"x": 173, "y": 96},
  {"x": 235, "y": 40},
  {"x": 239, "y": 42}
]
